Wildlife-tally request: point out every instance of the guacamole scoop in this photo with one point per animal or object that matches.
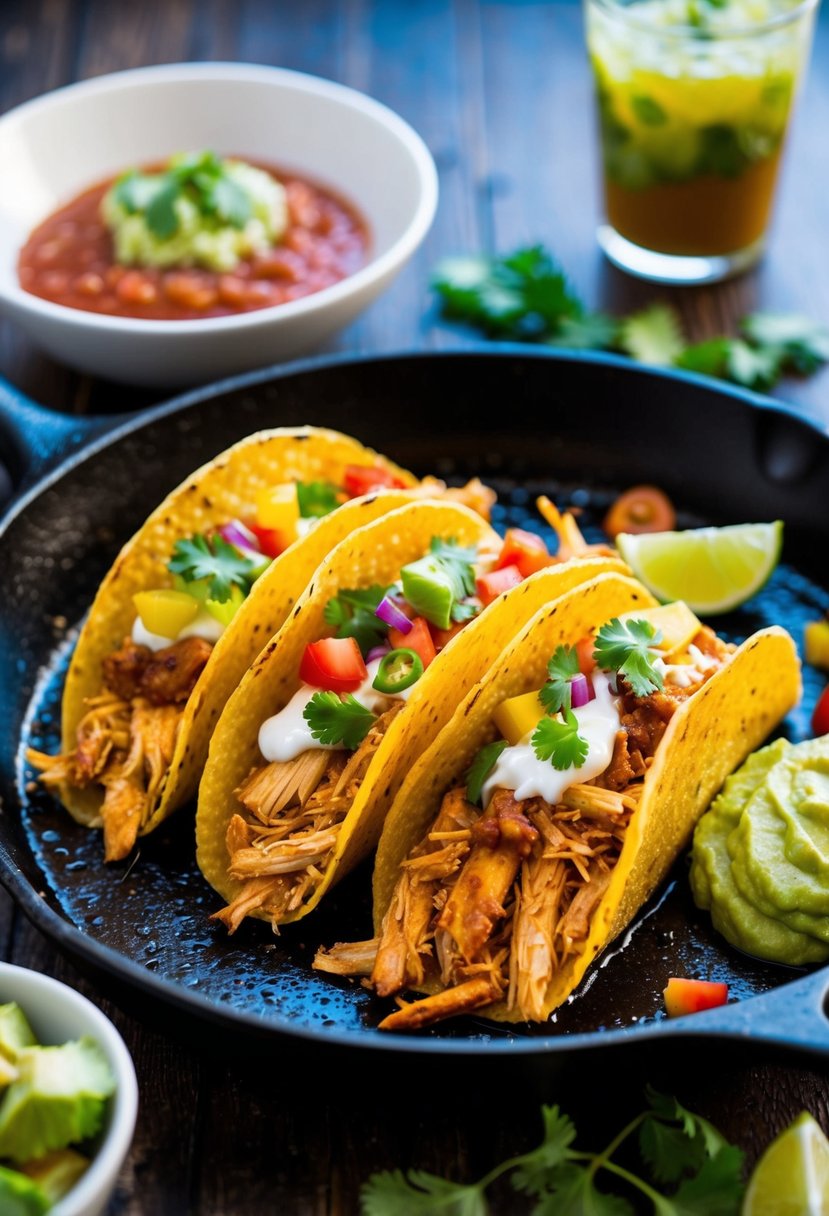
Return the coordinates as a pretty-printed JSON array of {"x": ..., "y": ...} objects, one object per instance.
[
  {"x": 760, "y": 860},
  {"x": 198, "y": 211}
]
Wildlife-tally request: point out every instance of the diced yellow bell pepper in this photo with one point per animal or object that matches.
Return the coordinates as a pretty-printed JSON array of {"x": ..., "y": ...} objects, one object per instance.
[
  {"x": 816, "y": 637},
  {"x": 277, "y": 507},
  {"x": 165, "y": 612},
  {"x": 518, "y": 716},
  {"x": 226, "y": 611},
  {"x": 676, "y": 621}
]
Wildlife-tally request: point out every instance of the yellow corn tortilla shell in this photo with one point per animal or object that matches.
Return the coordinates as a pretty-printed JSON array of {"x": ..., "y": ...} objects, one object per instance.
[
  {"x": 707, "y": 738},
  {"x": 216, "y": 493},
  {"x": 374, "y": 555}
]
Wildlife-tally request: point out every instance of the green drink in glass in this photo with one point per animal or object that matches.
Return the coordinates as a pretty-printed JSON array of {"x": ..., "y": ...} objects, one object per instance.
[{"x": 694, "y": 100}]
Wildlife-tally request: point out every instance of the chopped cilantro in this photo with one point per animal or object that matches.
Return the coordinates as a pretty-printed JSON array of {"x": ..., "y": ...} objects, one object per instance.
[
  {"x": 212, "y": 558},
  {"x": 559, "y": 741},
  {"x": 680, "y": 1151},
  {"x": 625, "y": 646},
  {"x": 652, "y": 335},
  {"x": 525, "y": 296},
  {"x": 338, "y": 721},
  {"x": 317, "y": 498},
  {"x": 202, "y": 177},
  {"x": 481, "y": 767},
  {"x": 556, "y": 693},
  {"x": 352, "y": 613}
]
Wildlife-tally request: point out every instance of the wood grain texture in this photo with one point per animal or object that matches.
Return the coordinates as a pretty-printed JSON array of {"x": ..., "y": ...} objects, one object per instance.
[{"x": 501, "y": 93}]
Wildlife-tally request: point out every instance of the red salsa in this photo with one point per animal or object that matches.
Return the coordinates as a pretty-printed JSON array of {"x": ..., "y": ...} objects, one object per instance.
[{"x": 69, "y": 259}]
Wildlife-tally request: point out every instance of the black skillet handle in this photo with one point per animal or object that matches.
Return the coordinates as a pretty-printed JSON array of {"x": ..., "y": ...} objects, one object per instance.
[
  {"x": 793, "y": 1015},
  {"x": 34, "y": 440}
]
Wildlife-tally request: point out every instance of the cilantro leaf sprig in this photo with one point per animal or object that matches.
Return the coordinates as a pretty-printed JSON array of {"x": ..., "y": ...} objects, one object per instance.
[
  {"x": 211, "y": 557},
  {"x": 625, "y": 647},
  {"x": 691, "y": 1170},
  {"x": 559, "y": 741},
  {"x": 201, "y": 177},
  {"x": 352, "y": 613},
  {"x": 525, "y": 296},
  {"x": 338, "y": 721},
  {"x": 557, "y": 691}
]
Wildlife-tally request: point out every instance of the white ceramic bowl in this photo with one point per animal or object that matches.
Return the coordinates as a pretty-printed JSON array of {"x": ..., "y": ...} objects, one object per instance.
[
  {"x": 55, "y": 146},
  {"x": 57, "y": 1013}
]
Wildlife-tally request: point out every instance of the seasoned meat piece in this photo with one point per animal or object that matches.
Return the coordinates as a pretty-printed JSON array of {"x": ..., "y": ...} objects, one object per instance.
[
  {"x": 503, "y": 836},
  {"x": 451, "y": 1002},
  {"x": 171, "y": 674},
  {"x": 124, "y": 669},
  {"x": 625, "y": 766},
  {"x": 646, "y": 718}
]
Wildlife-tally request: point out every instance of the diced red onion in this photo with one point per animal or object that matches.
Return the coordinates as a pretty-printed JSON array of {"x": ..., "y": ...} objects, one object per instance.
[
  {"x": 388, "y": 611},
  {"x": 377, "y": 652},
  {"x": 236, "y": 534},
  {"x": 580, "y": 691}
]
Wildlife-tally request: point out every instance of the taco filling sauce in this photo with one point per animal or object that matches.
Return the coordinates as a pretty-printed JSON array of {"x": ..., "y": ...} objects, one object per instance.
[{"x": 496, "y": 897}]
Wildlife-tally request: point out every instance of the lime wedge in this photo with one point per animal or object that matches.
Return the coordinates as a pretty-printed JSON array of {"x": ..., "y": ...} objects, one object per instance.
[
  {"x": 792, "y": 1176},
  {"x": 711, "y": 569}
]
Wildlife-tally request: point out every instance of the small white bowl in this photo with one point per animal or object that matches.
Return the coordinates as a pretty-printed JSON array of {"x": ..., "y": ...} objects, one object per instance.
[
  {"x": 57, "y": 1014},
  {"x": 57, "y": 145}
]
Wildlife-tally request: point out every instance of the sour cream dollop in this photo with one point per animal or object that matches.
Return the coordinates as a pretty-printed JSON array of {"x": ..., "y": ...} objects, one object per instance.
[
  {"x": 520, "y": 770},
  {"x": 286, "y": 735}
]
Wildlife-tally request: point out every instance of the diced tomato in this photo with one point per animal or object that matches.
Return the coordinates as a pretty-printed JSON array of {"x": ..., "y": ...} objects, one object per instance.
[
  {"x": 692, "y": 996},
  {"x": 490, "y": 586},
  {"x": 334, "y": 664},
  {"x": 820, "y": 718},
  {"x": 361, "y": 479},
  {"x": 584, "y": 653},
  {"x": 418, "y": 639},
  {"x": 524, "y": 550},
  {"x": 271, "y": 541},
  {"x": 642, "y": 509}
]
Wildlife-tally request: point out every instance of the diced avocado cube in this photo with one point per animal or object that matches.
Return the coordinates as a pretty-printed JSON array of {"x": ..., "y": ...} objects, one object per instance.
[
  {"x": 15, "y": 1031},
  {"x": 56, "y": 1173},
  {"x": 57, "y": 1100},
  {"x": 20, "y": 1196}
]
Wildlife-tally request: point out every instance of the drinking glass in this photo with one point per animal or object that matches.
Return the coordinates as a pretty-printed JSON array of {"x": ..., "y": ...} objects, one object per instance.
[{"x": 694, "y": 101}]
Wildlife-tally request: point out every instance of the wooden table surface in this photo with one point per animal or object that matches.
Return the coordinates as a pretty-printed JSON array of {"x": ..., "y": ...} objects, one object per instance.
[{"x": 501, "y": 93}]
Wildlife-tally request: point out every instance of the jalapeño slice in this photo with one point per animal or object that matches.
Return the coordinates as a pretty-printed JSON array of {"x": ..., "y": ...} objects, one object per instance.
[{"x": 398, "y": 670}]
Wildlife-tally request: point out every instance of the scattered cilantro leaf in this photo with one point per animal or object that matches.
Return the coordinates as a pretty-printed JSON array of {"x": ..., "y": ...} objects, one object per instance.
[
  {"x": 533, "y": 1173},
  {"x": 625, "y": 646},
  {"x": 352, "y": 613},
  {"x": 592, "y": 331},
  {"x": 525, "y": 296},
  {"x": 481, "y": 767},
  {"x": 648, "y": 111},
  {"x": 560, "y": 742},
  {"x": 557, "y": 691},
  {"x": 562, "y": 1180},
  {"x": 803, "y": 343},
  {"x": 716, "y": 1189},
  {"x": 201, "y": 177},
  {"x": 338, "y": 721},
  {"x": 419, "y": 1194},
  {"x": 211, "y": 557},
  {"x": 317, "y": 498},
  {"x": 652, "y": 335}
]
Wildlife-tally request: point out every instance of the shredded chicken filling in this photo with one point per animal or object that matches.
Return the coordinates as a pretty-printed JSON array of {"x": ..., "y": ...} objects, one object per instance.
[
  {"x": 491, "y": 905},
  {"x": 281, "y": 841},
  {"x": 126, "y": 738}
]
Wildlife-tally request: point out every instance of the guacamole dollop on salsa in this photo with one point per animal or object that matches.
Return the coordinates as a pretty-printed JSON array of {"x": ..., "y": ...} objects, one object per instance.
[
  {"x": 197, "y": 211},
  {"x": 761, "y": 854}
]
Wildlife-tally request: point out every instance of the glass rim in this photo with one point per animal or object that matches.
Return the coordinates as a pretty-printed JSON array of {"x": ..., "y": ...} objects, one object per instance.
[{"x": 624, "y": 14}]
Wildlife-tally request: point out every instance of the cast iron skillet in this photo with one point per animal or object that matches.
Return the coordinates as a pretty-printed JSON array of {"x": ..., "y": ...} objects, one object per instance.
[{"x": 579, "y": 428}]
